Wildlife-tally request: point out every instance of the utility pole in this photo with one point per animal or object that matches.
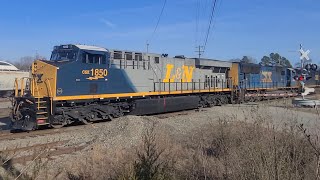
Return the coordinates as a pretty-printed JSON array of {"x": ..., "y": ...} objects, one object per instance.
[
  {"x": 199, "y": 51},
  {"x": 148, "y": 47},
  {"x": 302, "y": 60}
]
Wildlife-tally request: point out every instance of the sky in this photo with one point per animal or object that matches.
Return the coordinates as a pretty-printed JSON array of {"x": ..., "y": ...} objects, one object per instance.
[{"x": 240, "y": 27}]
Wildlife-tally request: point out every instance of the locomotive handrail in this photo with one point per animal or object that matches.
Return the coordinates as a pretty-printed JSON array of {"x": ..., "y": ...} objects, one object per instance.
[
  {"x": 47, "y": 82},
  {"x": 22, "y": 86},
  {"x": 16, "y": 87},
  {"x": 196, "y": 85}
]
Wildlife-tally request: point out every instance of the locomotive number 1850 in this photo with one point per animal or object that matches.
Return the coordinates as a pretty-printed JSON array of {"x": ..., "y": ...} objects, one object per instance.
[{"x": 95, "y": 73}]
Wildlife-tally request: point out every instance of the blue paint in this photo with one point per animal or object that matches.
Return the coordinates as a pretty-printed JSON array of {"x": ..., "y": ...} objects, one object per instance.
[
  {"x": 264, "y": 76},
  {"x": 72, "y": 82}
]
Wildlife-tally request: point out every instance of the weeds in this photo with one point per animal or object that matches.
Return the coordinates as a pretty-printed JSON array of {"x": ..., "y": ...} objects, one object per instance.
[{"x": 226, "y": 150}]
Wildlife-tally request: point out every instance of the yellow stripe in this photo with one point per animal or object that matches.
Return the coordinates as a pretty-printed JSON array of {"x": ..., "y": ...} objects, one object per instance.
[
  {"x": 142, "y": 94},
  {"x": 139, "y": 94}
]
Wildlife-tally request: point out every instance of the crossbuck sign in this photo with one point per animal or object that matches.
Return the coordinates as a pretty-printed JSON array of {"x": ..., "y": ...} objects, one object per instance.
[{"x": 304, "y": 54}]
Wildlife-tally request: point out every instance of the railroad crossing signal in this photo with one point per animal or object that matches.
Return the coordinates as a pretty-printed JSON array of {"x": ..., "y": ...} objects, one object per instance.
[{"x": 304, "y": 54}]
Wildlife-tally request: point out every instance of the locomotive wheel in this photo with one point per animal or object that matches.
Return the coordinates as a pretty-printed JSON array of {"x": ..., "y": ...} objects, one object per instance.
[
  {"x": 56, "y": 126},
  {"x": 57, "y": 123},
  {"x": 84, "y": 121},
  {"x": 28, "y": 123}
]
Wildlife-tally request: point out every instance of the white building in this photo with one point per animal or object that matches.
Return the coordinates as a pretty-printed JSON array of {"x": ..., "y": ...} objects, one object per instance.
[{"x": 5, "y": 66}]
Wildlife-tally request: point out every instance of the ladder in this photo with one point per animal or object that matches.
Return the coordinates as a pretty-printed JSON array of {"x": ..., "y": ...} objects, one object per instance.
[
  {"x": 43, "y": 111},
  {"x": 43, "y": 104}
]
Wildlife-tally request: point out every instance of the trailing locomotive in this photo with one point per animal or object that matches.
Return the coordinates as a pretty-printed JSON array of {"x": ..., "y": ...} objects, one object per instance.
[{"x": 86, "y": 83}]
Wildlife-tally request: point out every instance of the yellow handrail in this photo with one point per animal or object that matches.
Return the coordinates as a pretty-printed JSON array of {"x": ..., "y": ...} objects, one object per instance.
[
  {"x": 16, "y": 86},
  {"x": 22, "y": 87},
  {"x": 36, "y": 86},
  {"x": 47, "y": 81},
  {"x": 32, "y": 86}
]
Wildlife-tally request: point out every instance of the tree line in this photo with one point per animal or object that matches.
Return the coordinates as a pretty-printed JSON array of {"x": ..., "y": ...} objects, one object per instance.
[
  {"x": 25, "y": 62},
  {"x": 272, "y": 59}
]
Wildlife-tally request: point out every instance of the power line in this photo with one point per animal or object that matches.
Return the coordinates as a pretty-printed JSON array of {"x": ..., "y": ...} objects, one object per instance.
[
  {"x": 214, "y": 3},
  {"x": 155, "y": 29},
  {"x": 197, "y": 21}
]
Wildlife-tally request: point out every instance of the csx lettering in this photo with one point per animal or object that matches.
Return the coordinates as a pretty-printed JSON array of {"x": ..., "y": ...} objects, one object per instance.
[
  {"x": 95, "y": 73},
  {"x": 184, "y": 73},
  {"x": 85, "y": 71}
]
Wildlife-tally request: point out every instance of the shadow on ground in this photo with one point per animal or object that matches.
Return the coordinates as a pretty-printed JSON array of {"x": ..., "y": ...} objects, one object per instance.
[{"x": 5, "y": 123}]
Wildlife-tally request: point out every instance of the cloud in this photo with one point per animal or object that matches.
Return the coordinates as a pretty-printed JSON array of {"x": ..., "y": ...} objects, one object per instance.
[{"x": 107, "y": 23}]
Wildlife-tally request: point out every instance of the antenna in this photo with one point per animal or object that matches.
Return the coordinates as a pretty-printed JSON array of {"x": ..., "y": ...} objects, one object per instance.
[{"x": 199, "y": 50}]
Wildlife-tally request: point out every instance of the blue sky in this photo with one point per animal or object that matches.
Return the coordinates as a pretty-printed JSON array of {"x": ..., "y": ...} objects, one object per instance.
[{"x": 241, "y": 27}]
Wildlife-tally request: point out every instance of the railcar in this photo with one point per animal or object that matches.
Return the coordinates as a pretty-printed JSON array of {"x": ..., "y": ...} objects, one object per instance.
[
  {"x": 83, "y": 83},
  {"x": 8, "y": 73}
]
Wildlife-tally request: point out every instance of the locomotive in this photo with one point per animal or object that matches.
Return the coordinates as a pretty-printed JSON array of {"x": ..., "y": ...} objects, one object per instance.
[{"x": 82, "y": 83}]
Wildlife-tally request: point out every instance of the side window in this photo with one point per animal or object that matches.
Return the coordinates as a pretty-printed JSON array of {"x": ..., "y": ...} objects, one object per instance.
[
  {"x": 128, "y": 56},
  {"x": 97, "y": 59},
  {"x": 138, "y": 57},
  {"x": 156, "y": 60},
  {"x": 117, "y": 55},
  {"x": 93, "y": 58},
  {"x": 84, "y": 57},
  {"x": 103, "y": 59}
]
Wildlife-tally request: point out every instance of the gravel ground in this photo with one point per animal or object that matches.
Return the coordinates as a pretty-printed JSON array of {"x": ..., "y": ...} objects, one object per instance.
[
  {"x": 4, "y": 103},
  {"x": 126, "y": 132},
  {"x": 4, "y": 119}
]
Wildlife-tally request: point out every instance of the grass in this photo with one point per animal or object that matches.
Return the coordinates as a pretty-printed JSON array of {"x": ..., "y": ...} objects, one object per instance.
[{"x": 227, "y": 149}]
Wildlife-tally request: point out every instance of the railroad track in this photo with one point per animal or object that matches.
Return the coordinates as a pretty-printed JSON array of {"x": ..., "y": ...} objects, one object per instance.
[
  {"x": 49, "y": 150},
  {"x": 7, "y": 135}
]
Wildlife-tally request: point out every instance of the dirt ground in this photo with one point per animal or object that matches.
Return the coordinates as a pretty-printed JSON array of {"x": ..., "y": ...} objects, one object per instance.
[{"x": 68, "y": 144}]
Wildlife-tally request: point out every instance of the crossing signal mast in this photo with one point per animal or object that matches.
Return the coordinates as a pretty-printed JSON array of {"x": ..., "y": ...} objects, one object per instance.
[
  {"x": 199, "y": 51},
  {"x": 304, "y": 71},
  {"x": 306, "y": 61},
  {"x": 303, "y": 56}
]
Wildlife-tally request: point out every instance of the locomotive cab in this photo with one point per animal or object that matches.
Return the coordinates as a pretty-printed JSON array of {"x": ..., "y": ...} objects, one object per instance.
[{"x": 33, "y": 103}]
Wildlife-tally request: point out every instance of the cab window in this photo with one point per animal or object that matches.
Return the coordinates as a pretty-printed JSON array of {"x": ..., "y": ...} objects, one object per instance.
[{"x": 93, "y": 58}]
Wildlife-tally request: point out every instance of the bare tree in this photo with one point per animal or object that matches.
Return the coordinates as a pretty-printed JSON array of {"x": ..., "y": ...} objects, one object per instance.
[{"x": 25, "y": 62}]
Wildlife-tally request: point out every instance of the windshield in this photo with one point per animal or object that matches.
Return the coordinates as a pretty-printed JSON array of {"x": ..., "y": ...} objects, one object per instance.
[{"x": 63, "y": 55}]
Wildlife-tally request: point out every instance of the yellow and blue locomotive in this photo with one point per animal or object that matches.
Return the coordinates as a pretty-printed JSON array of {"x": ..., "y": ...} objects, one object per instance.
[{"x": 84, "y": 84}]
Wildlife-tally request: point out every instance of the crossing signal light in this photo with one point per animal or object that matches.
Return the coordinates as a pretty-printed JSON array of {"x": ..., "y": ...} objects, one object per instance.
[{"x": 312, "y": 67}]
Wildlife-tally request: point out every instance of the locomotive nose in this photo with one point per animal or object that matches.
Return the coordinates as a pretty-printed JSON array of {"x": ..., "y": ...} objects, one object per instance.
[
  {"x": 23, "y": 116},
  {"x": 25, "y": 123}
]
